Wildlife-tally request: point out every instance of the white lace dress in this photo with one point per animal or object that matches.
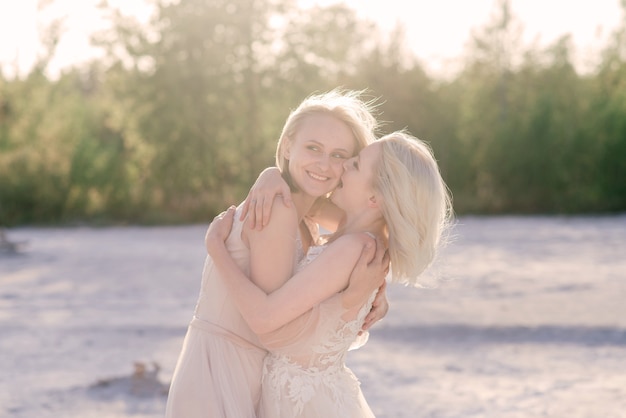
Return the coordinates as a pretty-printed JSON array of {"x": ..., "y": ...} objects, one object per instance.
[{"x": 305, "y": 374}]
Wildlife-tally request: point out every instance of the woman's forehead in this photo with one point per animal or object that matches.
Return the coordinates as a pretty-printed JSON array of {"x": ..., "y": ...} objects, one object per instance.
[{"x": 327, "y": 130}]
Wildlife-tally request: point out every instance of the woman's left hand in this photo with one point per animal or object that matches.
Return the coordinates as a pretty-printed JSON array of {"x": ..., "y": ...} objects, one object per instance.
[
  {"x": 380, "y": 307},
  {"x": 368, "y": 275},
  {"x": 258, "y": 204},
  {"x": 219, "y": 229}
]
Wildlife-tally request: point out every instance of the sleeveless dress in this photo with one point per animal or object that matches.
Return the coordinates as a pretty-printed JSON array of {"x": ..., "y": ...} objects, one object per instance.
[
  {"x": 304, "y": 374},
  {"x": 218, "y": 373}
]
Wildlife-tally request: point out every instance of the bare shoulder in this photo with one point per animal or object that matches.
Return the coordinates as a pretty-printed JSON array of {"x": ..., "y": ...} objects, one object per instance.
[
  {"x": 281, "y": 212},
  {"x": 282, "y": 220},
  {"x": 354, "y": 242}
]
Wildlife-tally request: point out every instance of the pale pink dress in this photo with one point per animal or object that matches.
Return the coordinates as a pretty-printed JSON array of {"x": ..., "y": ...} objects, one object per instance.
[
  {"x": 218, "y": 373},
  {"x": 305, "y": 374}
]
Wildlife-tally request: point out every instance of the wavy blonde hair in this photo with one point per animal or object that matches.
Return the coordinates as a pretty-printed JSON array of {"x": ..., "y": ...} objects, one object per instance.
[
  {"x": 348, "y": 106},
  {"x": 416, "y": 204}
]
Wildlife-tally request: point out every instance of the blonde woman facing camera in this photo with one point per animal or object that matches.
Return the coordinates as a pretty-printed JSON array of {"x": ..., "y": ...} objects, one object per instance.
[{"x": 392, "y": 191}]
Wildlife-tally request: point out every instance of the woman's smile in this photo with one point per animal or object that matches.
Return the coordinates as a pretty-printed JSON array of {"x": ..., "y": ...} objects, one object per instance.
[{"x": 317, "y": 176}]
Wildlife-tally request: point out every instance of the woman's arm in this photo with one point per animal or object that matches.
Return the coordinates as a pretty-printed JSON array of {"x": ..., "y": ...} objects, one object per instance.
[
  {"x": 260, "y": 199},
  {"x": 266, "y": 311},
  {"x": 273, "y": 249}
]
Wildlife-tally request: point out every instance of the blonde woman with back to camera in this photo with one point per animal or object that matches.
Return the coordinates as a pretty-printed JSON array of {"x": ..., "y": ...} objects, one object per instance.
[
  {"x": 218, "y": 373},
  {"x": 392, "y": 191}
]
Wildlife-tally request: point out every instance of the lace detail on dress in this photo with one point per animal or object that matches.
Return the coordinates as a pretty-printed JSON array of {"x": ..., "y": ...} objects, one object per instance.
[
  {"x": 299, "y": 250},
  {"x": 322, "y": 370},
  {"x": 311, "y": 255},
  {"x": 300, "y": 385}
]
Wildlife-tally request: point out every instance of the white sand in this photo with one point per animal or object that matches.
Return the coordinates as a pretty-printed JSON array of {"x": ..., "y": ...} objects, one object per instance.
[{"x": 528, "y": 320}]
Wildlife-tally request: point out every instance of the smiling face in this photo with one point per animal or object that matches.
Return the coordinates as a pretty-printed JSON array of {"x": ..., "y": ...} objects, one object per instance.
[
  {"x": 316, "y": 153},
  {"x": 356, "y": 189}
]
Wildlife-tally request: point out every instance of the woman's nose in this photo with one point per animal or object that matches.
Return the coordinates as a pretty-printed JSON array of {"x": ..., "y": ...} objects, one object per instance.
[{"x": 324, "y": 160}]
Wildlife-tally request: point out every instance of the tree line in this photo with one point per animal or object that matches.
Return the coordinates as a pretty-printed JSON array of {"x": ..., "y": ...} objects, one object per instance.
[{"x": 178, "y": 116}]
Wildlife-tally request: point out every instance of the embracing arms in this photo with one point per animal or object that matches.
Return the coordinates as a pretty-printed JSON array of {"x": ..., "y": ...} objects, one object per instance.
[
  {"x": 265, "y": 197},
  {"x": 259, "y": 203},
  {"x": 327, "y": 275}
]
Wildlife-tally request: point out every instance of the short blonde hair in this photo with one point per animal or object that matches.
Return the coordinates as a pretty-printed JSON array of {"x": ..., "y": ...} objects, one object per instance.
[
  {"x": 416, "y": 204},
  {"x": 348, "y": 106}
]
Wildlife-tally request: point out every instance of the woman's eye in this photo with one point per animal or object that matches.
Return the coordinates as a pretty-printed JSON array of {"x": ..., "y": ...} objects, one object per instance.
[
  {"x": 313, "y": 148},
  {"x": 339, "y": 156}
]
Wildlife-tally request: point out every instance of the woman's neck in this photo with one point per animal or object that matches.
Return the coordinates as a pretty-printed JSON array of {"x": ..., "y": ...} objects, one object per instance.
[{"x": 303, "y": 204}]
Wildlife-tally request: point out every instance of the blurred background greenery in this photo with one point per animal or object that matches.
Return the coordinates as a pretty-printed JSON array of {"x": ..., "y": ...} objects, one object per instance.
[{"x": 178, "y": 116}]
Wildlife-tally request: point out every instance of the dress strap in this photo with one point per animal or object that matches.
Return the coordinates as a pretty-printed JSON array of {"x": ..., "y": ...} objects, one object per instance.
[{"x": 215, "y": 329}]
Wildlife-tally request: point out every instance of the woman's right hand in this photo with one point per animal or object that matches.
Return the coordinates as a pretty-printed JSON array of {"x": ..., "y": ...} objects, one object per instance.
[
  {"x": 219, "y": 229},
  {"x": 258, "y": 203}
]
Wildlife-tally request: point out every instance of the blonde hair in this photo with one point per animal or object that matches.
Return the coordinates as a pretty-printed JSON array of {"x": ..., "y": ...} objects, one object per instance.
[
  {"x": 415, "y": 203},
  {"x": 347, "y": 106}
]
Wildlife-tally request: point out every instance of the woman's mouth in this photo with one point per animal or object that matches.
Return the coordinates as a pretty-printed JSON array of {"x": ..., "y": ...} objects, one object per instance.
[{"x": 317, "y": 176}]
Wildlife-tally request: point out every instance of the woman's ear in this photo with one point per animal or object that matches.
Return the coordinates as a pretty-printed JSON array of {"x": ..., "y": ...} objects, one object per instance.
[
  {"x": 372, "y": 202},
  {"x": 287, "y": 149}
]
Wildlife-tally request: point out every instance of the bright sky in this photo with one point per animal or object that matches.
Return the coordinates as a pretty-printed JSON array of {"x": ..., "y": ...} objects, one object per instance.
[{"x": 437, "y": 30}]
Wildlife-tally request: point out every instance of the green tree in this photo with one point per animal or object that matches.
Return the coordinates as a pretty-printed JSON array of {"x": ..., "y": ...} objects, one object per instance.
[
  {"x": 484, "y": 111},
  {"x": 192, "y": 85},
  {"x": 608, "y": 125}
]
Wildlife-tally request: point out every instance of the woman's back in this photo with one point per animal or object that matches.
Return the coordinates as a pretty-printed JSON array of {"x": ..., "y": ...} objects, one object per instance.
[{"x": 305, "y": 374}]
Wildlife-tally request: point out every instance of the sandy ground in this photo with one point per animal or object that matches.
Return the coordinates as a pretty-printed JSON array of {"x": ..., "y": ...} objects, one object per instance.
[{"x": 522, "y": 317}]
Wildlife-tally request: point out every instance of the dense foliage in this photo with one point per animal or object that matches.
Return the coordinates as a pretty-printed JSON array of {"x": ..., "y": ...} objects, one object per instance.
[{"x": 179, "y": 116}]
